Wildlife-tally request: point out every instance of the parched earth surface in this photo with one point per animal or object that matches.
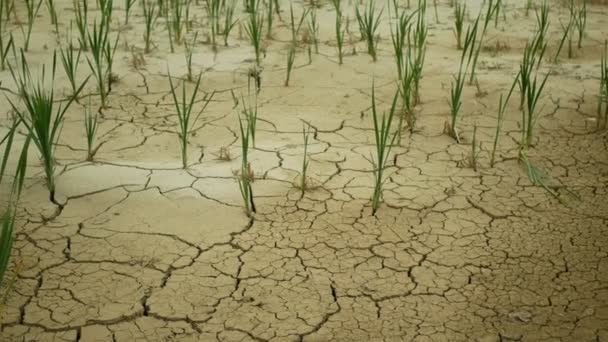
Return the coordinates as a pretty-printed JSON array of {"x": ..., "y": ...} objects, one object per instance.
[{"x": 144, "y": 250}]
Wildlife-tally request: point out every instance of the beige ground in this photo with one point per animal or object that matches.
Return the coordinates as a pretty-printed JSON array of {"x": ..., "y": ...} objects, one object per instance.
[{"x": 146, "y": 251}]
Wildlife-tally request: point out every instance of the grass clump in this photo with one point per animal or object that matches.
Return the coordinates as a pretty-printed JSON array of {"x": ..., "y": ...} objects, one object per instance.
[
  {"x": 399, "y": 35},
  {"x": 419, "y": 35},
  {"x": 41, "y": 117},
  {"x": 229, "y": 21},
  {"x": 91, "y": 120},
  {"x": 185, "y": 119},
  {"x": 368, "y": 24},
  {"x": 213, "y": 13},
  {"x": 384, "y": 141},
  {"x": 8, "y": 210},
  {"x": 32, "y": 7},
  {"x": 457, "y": 87},
  {"x": 6, "y": 38},
  {"x": 603, "y": 94},
  {"x": 305, "y": 161},
  {"x": 459, "y": 13},
  {"x": 81, "y": 12},
  {"x": 128, "y": 6},
  {"x": 102, "y": 54},
  {"x": 295, "y": 29},
  {"x": 339, "y": 28},
  {"x": 254, "y": 28},
  {"x": 70, "y": 61},
  {"x": 245, "y": 177},
  {"x": 502, "y": 106},
  {"x": 150, "y": 16}
]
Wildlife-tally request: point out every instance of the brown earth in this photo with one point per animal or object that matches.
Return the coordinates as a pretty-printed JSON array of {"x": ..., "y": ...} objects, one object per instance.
[{"x": 146, "y": 251}]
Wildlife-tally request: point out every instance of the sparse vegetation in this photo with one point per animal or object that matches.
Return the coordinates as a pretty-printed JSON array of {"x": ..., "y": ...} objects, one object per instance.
[
  {"x": 254, "y": 28},
  {"x": 384, "y": 140},
  {"x": 42, "y": 119},
  {"x": 185, "y": 119},
  {"x": 368, "y": 24}
]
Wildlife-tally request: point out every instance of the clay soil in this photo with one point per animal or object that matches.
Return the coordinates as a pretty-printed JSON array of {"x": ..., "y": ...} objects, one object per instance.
[{"x": 144, "y": 250}]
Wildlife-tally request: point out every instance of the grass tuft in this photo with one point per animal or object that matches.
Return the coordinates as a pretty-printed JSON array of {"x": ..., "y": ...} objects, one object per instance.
[
  {"x": 185, "y": 119},
  {"x": 384, "y": 141},
  {"x": 368, "y": 24},
  {"x": 42, "y": 119}
]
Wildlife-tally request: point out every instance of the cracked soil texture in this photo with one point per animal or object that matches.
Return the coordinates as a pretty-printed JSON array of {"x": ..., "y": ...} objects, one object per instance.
[{"x": 144, "y": 250}]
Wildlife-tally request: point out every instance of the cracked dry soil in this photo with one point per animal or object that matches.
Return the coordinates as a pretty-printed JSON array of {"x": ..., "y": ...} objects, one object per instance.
[{"x": 146, "y": 251}]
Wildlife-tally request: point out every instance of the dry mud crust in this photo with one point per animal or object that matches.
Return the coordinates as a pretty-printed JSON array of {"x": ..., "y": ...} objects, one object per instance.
[{"x": 146, "y": 251}]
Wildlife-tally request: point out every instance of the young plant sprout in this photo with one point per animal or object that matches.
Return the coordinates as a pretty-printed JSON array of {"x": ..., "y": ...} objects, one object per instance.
[
  {"x": 50, "y": 5},
  {"x": 295, "y": 29},
  {"x": 457, "y": 88},
  {"x": 533, "y": 55},
  {"x": 254, "y": 28},
  {"x": 245, "y": 178},
  {"x": 398, "y": 38},
  {"x": 580, "y": 20},
  {"x": 567, "y": 36},
  {"x": 339, "y": 29},
  {"x": 530, "y": 115},
  {"x": 39, "y": 116},
  {"x": 269, "y": 19},
  {"x": 189, "y": 50},
  {"x": 213, "y": 13},
  {"x": 32, "y": 8},
  {"x": 81, "y": 10},
  {"x": 489, "y": 12},
  {"x": 229, "y": 22},
  {"x": 313, "y": 27},
  {"x": 176, "y": 19},
  {"x": 459, "y": 13},
  {"x": 474, "y": 153},
  {"x": 250, "y": 112},
  {"x": 305, "y": 160},
  {"x": 384, "y": 141},
  {"x": 419, "y": 36},
  {"x": 5, "y": 44},
  {"x": 99, "y": 44},
  {"x": 150, "y": 16},
  {"x": 368, "y": 24},
  {"x": 603, "y": 95},
  {"x": 90, "y": 127},
  {"x": 502, "y": 106},
  {"x": 186, "y": 121},
  {"x": 8, "y": 211},
  {"x": 70, "y": 62},
  {"x": 128, "y": 5},
  {"x": 529, "y": 6},
  {"x": 406, "y": 90}
]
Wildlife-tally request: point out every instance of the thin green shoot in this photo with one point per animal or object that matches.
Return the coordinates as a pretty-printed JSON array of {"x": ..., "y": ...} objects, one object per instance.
[
  {"x": 150, "y": 16},
  {"x": 186, "y": 120},
  {"x": 245, "y": 178},
  {"x": 305, "y": 159},
  {"x": 313, "y": 27},
  {"x": 603, "y": 94},
  {"x": 50, "y": 5},
  {"x": 32, "y": 8},
  {"x": 70, "y": 61},
  {"x": 250, "y": 112},
  {"x": 8, "y": 213},
  {"x": 229, "y": 22},
  {"x": 398, "y": 37},
  {"x": 368, "y": 24},
  {"x": 189, "y": 51},
  {"x": 128, "y": 5},
  {"x": 81, "y": 11},
  {"x": 339, "y": 28},
  {"x": 213, "y": 13},
  {"x": 39, "y": 116},
  {"x": 502, "y": 106},
  {"x": 580, "y": 15},
  {"x": 384, "y": 141},
  {"x": 91, "y": 120},
  {"x": 254, "y": 28},
  {"x": 459, "y": 13}
]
